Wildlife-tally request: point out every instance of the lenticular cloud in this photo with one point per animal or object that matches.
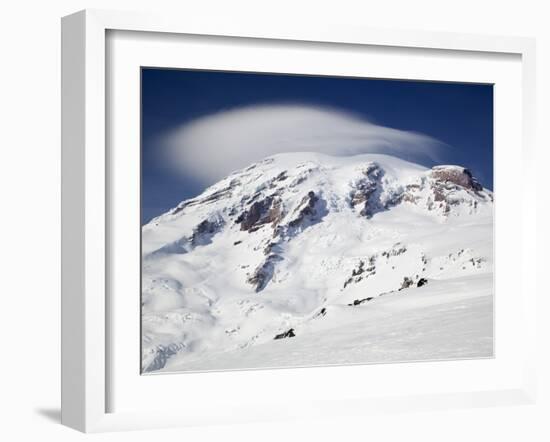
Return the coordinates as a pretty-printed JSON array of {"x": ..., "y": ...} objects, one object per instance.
[{"x": 211, "y": 147}]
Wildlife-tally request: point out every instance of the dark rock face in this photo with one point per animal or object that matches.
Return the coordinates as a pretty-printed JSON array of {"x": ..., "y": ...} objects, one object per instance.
[
  {"x": 362, "y": 271},
  {"x": 270, "y": 211},
  {"x": 309, "y": 211},
  {"x": 396, "y": 250},
  {"x": 266, "y": 211},
  {"x": 251, "y": 216},
  {"x": 359, "y": 270},
  {"x": 203, "y": 233},
  {"x": 281, "y": 177},
  {"x": 447, "y": 180},
  {"x": 407, "y": 282},
  {"x": 288, "y": 334},
  {"x": 421, "y": 282},
  {"x": 444, "y": 184},
  {"x": 366, "y": 191},
  {"x": 456, "y": 175},
  {"x": 206, "y": 226},
  {"x": 360, "y": 301},
  {"x": 263, "y": 273},
  {"x": 306, "y": 209}
]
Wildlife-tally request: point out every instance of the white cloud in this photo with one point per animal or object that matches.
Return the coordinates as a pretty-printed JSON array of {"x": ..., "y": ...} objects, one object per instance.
[{"x": 211, "y": 147}]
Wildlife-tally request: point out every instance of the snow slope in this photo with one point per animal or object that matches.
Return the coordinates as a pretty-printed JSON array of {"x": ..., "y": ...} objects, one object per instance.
[{"x": 305, "y": 259}]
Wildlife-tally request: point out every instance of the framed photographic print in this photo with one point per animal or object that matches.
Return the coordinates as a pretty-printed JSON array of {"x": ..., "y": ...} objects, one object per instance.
[
  {"x": 282, "y": 227},
  {"x": 322, "y": 219}
]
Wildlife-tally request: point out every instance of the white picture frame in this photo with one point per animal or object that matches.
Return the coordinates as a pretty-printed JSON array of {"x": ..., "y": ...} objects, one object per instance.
[{"x": 86, "y": 315}]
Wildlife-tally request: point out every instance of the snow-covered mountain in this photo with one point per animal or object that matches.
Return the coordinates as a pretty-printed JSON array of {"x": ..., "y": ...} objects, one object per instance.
[{"x": 307, "y": 259}]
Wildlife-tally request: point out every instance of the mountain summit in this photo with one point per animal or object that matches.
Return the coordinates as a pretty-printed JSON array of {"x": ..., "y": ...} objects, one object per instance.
[{"x": 305, "y": 258}]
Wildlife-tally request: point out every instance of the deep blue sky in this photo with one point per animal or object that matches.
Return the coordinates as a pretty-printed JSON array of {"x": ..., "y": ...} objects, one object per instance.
[{"x": 460, "y": 115}]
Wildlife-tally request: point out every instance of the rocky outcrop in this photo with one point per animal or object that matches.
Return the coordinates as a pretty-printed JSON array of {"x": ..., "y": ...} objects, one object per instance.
[
  {"x": 421, "y": 282},
  {"x": 310, "y": 211},
  {"x": 366, "y": 191},
  {"x": 203, "y": 233},
  {"x": 288, "y": 334},
  {"x": 265, "y": 211},
  {"x": 396, "y": 250},
  {"x": 306, "y": 210},
  {"x": 456, "y": 175},
  {"x": 321, "y": 313},
  {"x": 279, "y": 178},
  {"x": 407, "y": 282},
  {"x": 270, "y": 211},
  {"x": 357, "y": 302},
  {"x": 362, "y": 271},
  {"x": 447, "y": 181},
  {"x": 263, "y": 273},
  {"x": 443, "y": 188}
]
